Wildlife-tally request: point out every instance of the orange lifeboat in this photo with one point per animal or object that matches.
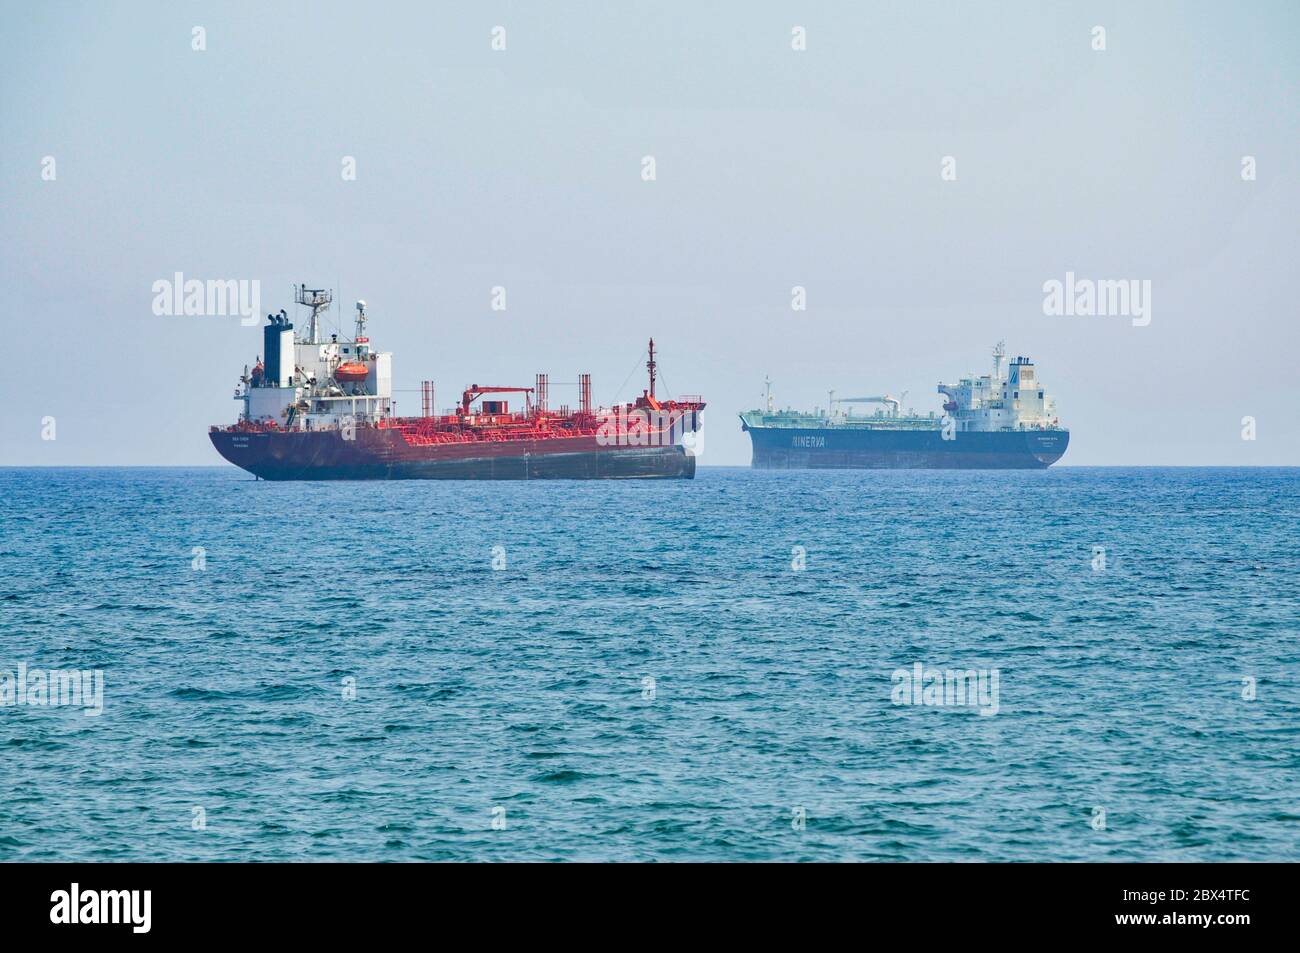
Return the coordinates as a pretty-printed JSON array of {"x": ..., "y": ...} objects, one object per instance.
[{"x": 351, "y": 372}]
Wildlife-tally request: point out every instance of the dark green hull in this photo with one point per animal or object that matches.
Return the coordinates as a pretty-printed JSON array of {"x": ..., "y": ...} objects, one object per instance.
[{"x": 813, "y": 448}]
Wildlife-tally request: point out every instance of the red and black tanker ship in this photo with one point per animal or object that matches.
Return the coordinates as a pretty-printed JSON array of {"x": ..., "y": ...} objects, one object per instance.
[{"x": 316, "y": 409}]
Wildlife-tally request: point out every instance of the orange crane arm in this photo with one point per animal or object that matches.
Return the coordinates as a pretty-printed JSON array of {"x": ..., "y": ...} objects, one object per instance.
[{"x": 474, "y": 391}]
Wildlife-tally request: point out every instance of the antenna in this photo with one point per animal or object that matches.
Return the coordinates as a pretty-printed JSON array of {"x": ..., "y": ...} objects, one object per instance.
[
  {"x": 767, "y": 383},
  {"x": 361, "y": 323}
]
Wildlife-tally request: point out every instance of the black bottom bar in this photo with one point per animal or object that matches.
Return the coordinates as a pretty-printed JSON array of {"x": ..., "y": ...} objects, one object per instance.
[{"x": 941, "y": 904}]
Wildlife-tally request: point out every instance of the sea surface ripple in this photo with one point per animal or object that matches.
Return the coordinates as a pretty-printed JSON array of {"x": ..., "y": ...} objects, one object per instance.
[{"x": 522, "y": 694}]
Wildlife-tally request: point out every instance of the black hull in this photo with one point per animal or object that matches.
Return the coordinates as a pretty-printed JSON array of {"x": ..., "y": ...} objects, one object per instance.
[
  {"x": 380, "y": 455},
  {"x": 842, "y": 448}
]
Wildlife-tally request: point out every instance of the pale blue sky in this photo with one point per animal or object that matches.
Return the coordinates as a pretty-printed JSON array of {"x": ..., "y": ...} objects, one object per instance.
[{"x": 775, "y": 168}]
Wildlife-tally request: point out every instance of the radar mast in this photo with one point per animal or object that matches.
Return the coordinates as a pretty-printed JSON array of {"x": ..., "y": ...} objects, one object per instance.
[
  {"x": 318, "y": 299},
  {"x": 999, "y": 352}
]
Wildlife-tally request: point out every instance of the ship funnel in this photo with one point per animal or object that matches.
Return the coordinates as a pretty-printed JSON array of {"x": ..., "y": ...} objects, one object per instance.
[{"x": 277, "y": 344}]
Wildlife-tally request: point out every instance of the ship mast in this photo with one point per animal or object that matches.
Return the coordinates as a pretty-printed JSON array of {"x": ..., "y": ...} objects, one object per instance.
[
  {"x": 650, "y": 366},
  {"x": 318, "y": 299},
  {"x": 360, "y": 336}
]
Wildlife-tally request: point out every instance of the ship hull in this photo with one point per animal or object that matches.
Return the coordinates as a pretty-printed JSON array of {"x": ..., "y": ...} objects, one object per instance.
[
  {"x": 786, "y": 448},
  {"x": 375, "y": 454}
]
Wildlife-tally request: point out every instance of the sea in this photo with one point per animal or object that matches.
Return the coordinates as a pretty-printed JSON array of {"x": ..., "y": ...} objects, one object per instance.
[{"x": 1077, "y": 664}]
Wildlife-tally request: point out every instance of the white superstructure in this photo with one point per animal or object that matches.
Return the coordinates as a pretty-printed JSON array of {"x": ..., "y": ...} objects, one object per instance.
[
  {"x": 308, "y": 383},
  {"x": 1011, "y": 398}
]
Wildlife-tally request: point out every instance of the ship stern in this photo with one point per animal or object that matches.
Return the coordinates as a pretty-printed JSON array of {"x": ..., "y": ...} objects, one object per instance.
[{"x": 1048, "y": 446}]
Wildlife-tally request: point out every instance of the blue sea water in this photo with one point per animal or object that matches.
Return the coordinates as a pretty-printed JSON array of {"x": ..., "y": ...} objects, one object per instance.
[{"x": 520, "y": 694}]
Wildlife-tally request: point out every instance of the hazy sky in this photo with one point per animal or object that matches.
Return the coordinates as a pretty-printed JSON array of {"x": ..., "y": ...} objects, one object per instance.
[{"x": 774, "y": 168}]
